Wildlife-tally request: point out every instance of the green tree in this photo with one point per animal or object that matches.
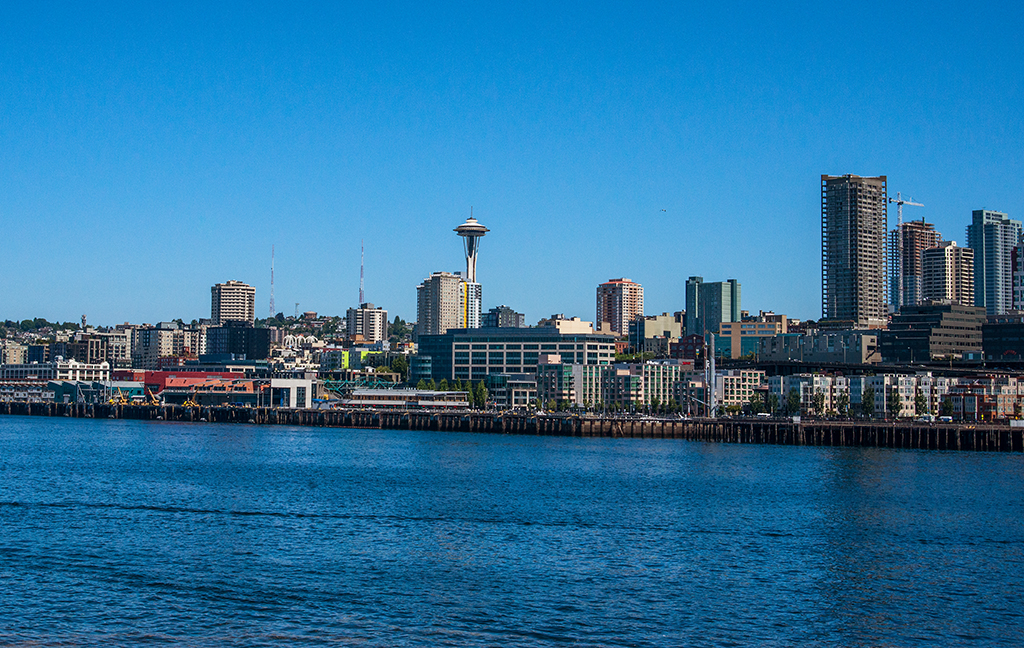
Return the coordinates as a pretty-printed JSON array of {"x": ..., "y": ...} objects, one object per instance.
[
  {"x": 946, "y": 409},
  {"x": 422, "y": 384},
  {"x": 867, "y": 402},
  {"x": 431, "y": 385},
  {"x": 921, "y": 403},
  {"x": 756, "y": 404},
  {"x": 401, "y": 366},
  {"x": 481, "y": 395},
  {"x": 818, "y": 402},
  {"x": 773, "y": 402},
  {"x": 895, "y": 402},
  {"x": 550, "y": 405},
  {"x": 793, "y": 402},
  {"x": 843, "y": 403},
  {"x": 443, "y": 385}
]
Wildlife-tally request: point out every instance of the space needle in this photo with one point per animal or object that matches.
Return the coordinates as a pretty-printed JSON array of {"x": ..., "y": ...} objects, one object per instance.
[{"x": 471, "y": 231}]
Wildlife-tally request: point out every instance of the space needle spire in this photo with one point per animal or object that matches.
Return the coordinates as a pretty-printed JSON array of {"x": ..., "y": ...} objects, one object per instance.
[{"x": 471, "y": 232}]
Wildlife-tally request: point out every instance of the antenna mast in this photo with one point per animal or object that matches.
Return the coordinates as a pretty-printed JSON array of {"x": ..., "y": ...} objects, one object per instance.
[
  {"x": 362, "y": 265},
  {"x": 272, "y": 281}
]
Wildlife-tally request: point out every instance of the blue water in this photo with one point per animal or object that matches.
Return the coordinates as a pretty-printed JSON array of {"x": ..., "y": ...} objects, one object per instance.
[{"x": 132, "y": 533}]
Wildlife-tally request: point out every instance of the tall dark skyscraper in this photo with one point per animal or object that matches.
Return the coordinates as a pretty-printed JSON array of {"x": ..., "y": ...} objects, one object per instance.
[{"x": 853, "y": 251}]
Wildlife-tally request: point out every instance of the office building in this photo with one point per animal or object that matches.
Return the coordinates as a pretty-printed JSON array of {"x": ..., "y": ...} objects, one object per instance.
[
  {"x": 710, "y": 304},
  {"x": 237, "y": 341},
  {"x": 1002, "y": 338},
  {"x": 932, "y": 331},
  {"x": 738, "y": 339},
  {"x": 367, "y": 321},
  {"x": 233, "y": 301},
  {"x": 665, "y": 326},
  {"x": 1017, "y": 263},
  {"x": 993, "y": 236},
  {"x": 503, "y": 317},
  {"x": 947, "y": 274},
  {"x": 821, "y": 346},
  {"x": 619, "y": 301},
  {"x": 918, "y": 236},
  {"x": 472, "y": 354},
  {"x": 853, "y": 227}
]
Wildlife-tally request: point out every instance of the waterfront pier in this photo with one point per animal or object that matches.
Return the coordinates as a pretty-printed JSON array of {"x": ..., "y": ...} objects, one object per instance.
[{"x": 777, "y": 431}]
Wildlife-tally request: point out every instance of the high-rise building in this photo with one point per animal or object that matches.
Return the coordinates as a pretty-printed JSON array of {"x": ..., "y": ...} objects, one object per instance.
[
  {"x": 368, "y": 321},
  {"x": 853, "y": 226},
  {"x": 710, "y": 304},
  {"x": 437, "y": 303},
  {"x": 444, "y": 301},
  {"x": 619, "y": 301},
  {"x": 233, "y": 301},
  {"x": 947, "y": 274},
  {"x": 918, "y": 236},
  {"x": 693, "y": 305},
  {"x": 470, "y": 303},
  {"x": 993, "y": 236}
]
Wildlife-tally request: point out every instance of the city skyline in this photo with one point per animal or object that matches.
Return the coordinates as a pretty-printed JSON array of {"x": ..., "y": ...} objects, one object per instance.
[{"x": 165, "y": 150}]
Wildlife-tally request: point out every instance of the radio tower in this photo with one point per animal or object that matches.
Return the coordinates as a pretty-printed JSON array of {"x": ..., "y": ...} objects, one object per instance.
[
  {"x": 272, "y": 313},
  {"x": 362, "y": 264}
]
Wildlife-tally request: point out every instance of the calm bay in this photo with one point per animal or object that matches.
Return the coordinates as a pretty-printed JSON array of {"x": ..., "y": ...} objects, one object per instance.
[{"x": 149, "y": 533}]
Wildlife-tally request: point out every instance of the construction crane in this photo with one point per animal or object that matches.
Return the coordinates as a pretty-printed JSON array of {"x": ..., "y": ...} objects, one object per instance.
[{"x": 898, "y": 257}]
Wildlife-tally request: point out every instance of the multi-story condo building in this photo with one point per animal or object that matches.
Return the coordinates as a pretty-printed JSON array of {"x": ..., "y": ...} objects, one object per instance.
[
  {"x": 623, "y": 385},
  {"x": 993, "y": 236},
  {"x": 445, "y": 301},
  {"x": 13, "y": 353},
  {"x": 56, "y": 370},
  {"x": 853, "y": 226},
  {"x": 166, "y": 340},
  {"x": 918, "y": 236},
  {"x": 710, "y": 304},
  {"x": 368, "y": 321},
  {"x": 947, "y": 274},
  {"x": 737, "y": 387},
  {"x": 233, "y": 301},
  {"x": 619, "y": 301},
  {"x": 437, "y": 303},
  {"x": 470, "y": 304}
]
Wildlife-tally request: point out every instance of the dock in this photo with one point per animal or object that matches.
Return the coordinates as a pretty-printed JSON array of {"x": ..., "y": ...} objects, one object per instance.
[{"x": 757, "y": 431}]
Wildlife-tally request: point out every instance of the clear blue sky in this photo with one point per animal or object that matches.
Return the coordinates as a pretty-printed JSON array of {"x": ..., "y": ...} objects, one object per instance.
[{"x": 148, "y": 152}]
